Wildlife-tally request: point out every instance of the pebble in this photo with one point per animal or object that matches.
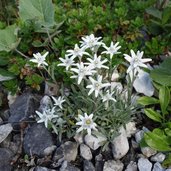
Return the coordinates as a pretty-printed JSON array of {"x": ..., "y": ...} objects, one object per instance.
[
  {"x": 92, "y": 142},
  {"x": 144, "y": 164},
  {"x": 5, "y": 130},
  {"x": 157, "y": 167},
  {"x": 85, "y": 152},
  {"x": 130, "y": 129},
  {"x": 45, "y": 103},
  {"x": 88, "y": 166},
  {"x": 66, "y": 166},
  {"x": 39, "y": 168},
  {"x": 159, "y": 157},
  {"x": 112, "y": 165},
  {"x": 120, "y": 145},
  {"x": 139, "y": 135},
  {"x": 148, "y": 152},
  {"x": 132, "y": 166},
  {"x": 99, "y": 162}
]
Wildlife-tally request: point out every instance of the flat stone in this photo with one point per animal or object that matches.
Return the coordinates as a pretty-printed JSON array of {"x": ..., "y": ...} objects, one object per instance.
[
  {"x": 37, "y": 139},
  {"x": 88, "y": 166},
  {"x": 157, "y": 167},
  {"x": 5, "y": 130},
  {"x": 5, "y": 159},
  {"x": 144, "y": 164},
  {"x": 112, "y": 165},
  {"x": 159, "y": 157},
  {"x": 120, "y": 145},
  {"x": 85, "y": 152},
  {"x": 22, "y": 109}
]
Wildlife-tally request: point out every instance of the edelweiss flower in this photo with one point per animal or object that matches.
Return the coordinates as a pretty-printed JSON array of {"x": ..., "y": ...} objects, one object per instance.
[
  {"x": 82, "y": 71},
  {"x": 90, "y": 42},
  {"x": 67, "y": 62},
  {"x": 86, "y": 123},
  {"x": 40, "y": 59},
  {"x": 107, "y": 97},
  {"x": 136, "y": 61},
  {"x": 76, "y": 52},
  {"x": 112, "y": 50},
  {"x": 97, "y": 63},
  {"x": 46, "y": 116},
  {"x": 96, "y": 85},
  {"x": 58, "y": 102}
]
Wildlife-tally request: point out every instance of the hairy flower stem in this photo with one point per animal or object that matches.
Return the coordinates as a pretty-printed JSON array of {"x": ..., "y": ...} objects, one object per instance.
[{"x": 22, "y": 54}]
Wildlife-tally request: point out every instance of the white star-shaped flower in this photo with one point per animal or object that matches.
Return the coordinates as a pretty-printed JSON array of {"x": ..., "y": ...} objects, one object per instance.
[
  {"x": 90, "y": 42},
  {"x": 136, "y": 61},
  {"x": 46, "y": 116},
  {"x": 86, "y": 123},
  {"x": 77, "y": 52},
  {"x": 112, "y": 50},
  {"x": 97, "y": 63},
  {"x": 82, "y": 71},
  {"x": 58, "y": 101},
  {"x": 97, "y": 85},
  {"x": 67, "y": 62},
  {"x": 40, "y": 59}
]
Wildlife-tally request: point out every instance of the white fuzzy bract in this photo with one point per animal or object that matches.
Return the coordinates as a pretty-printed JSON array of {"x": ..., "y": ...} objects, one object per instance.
[
  {"x": 96, "y": 85},
  {"x": 58, "y": 101},
  {"x": 136, "y": 61},
  {"x": 112, "y": 50},
  {"x": 86, "y": 122},
  {"x": 40, "y": 59},
  {"x": 46, "y": 116}
]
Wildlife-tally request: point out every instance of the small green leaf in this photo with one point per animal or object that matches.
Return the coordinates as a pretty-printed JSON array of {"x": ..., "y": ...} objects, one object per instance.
[
  {"x": 40, "y": 10},
  {"x": 8, "y": 38},
  {"x": 166, "y": 15},
  {"x": 147, "y": 100},
  {"x": 164, "y": 97},
  {"x": 153, "y": 115},
  {"x": 156, "y": 141}
]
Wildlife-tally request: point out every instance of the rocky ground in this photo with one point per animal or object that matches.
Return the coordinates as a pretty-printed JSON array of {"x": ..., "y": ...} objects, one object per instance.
[{"x": 28, "y": 146}]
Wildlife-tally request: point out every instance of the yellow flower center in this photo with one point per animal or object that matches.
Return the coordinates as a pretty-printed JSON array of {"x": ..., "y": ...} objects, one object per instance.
[{"x": 88, "y": 121}]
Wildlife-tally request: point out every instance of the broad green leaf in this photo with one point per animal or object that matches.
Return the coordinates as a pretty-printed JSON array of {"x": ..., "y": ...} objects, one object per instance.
[
  {"x": 156, "y": 141},
  {"x": 40, "y": 10},
  {"x": 153, "y": 115},
  {"x": 162, "y": 74},
  {"x": 8, "y": 38},
  {"x": 154, "y": 12},
  {"x": 147, "y": 100},
  {"x": 166, "y": 15},
  {"x": 5, "y": 75},
  {"x": 164, "y": 97}
]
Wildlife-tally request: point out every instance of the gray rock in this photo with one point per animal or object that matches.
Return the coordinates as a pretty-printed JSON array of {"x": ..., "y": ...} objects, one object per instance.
[
  {"x": 132, "y": 166},
  {"x": 144, "y": 164},
  {"x": 39, "y": 168},
  {"x": 22, "y": 109},
  {"x": 51, "y": 89},
  {"x": 45, "y": 103},
  {"x": 157, "y": 167},
  {"x": 78, "y": 138},
  {"x": 159, "y": 157},
  {"x": 1, "y": 121},
  {"x": 148, "y": 152},
  {"x": 92, "y": 142},
  {"x": 5, "y": 159},
  {"x": 112, "y": 165},
  {"x": 67, "y": 151},
  {"x": 66, "y": 166},
  {"x": 37, "y": 139},
  {"x": 5, "y": 130},
  {"x": 99, "y": 162},
  {"x": 88, "y": 166},
  {"x": 85, "y": 152},
  {"x": 139, "y": 135},
  {"x": 120, "y": 145},
  {"x": 130, "y": 129}
]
